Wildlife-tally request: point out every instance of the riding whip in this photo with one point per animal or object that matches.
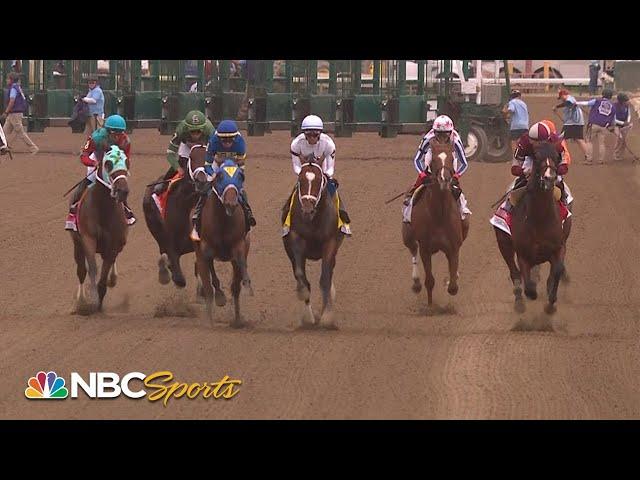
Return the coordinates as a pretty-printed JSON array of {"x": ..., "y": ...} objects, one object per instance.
[{"x": 88, "y": 175}]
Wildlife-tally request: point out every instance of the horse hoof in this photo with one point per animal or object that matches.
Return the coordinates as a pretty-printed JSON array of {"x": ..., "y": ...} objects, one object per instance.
[
  {"x": 303, "y": 294},
  {"x": 452, "y": 289},
  {"x": 416, "y": 287},
  {"x": 247, "y": 284},
  {"x": 221, "y": 299},
  {"x": 550, "y": 309},
  {"x": 531, "y": 294},
  {"x": 179, "y": 281},
  {"x": 238, "y": 323},
  {"x": 329, "y": 325},
  {"x": 163, "y": 273},
  {"x": 518, "y": 306}
]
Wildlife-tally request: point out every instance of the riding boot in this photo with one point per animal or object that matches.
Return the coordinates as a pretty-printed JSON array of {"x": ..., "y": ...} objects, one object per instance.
[
  {"x": 70, "y": 222},
  {"x": 159, "y": 188},
  {"x": 195, "y": 233},
  {"x": 344, "y": 216},
  {"x": 128, "y": 213},
  {"x": 247, "y": 209}
]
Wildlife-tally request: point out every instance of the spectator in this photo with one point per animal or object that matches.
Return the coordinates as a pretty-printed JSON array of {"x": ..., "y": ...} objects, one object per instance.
[
  {"x": 594, "y": 68},
  {"x": 59, "y": 69},
  {"x": 16, "y": 66},
  {"x": 16, "y": 107},
  {"x": 517, "y": 110},
  {"x": 622, "y": 125},
  {"x": 601, "y": 119},
  {"x": 573, "y": 128},
  {"x": 95, "y": 100}
]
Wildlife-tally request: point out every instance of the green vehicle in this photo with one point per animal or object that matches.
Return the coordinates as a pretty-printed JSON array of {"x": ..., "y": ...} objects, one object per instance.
[{"x": 474, "y": 103}]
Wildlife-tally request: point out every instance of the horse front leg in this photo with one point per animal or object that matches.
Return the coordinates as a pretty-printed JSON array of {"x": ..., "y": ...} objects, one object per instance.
[
  {"x": 410, "y": 242},
  {"x": 529, "y": 284},
  {"x": 453, "y": 257},
  {"x": 90, "y": 247},
  {"x": 204, "y": 257},
  {"x": 566, "y": 231},
  {"x": 555, "y": 273},
  {"x": 295, "y": 250},
  {"x": 429, "y": 281},
  {"x": 107, "y": 262},
  {"x": 505, "y": 245},
  {"x": 326, "y": 285},
  {"x": 238, "y": 321},
  {"x": 81, "y": 272},
  {"x": 241, "y": 254}
]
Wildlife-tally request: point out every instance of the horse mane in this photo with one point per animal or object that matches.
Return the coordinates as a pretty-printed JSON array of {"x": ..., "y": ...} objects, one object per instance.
[{"x": 546, "y": 150}]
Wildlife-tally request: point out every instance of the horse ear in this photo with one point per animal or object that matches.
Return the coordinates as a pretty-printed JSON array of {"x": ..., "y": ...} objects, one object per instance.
[{"x": 108, "y": 165}]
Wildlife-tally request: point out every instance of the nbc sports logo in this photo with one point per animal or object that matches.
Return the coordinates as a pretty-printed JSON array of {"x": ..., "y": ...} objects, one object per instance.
[{"x": 46, "y": 386}]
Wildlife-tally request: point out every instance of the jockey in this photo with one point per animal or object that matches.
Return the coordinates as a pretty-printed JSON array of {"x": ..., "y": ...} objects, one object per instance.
[
  {"x": 441, "y": 132},
  {"x": 100, "y": 141},
  {"x": 314, "y": 145},
  {"x": 224, "y": 143},
  {"x": 523, "y": 157},
  {"x": 194, "y": 129}
]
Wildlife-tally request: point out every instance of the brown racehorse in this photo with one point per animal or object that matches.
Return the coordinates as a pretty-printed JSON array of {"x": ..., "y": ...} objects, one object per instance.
[
  {"x": 436, "y": 225},
  {"x": 172, "y": 232},
  {"x": 102, "y": 228},
  {"x": 537, "y": 233},
  {"x": 314, "y": 235},
  {"x": 225, "y": 237}
]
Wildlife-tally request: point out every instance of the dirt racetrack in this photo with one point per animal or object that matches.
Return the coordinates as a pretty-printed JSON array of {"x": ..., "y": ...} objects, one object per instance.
[{"x": 478, "y": 359}]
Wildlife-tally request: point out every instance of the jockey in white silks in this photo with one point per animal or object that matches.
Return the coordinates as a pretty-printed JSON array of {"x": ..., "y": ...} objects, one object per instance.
[{"x": 441, "y": 132}]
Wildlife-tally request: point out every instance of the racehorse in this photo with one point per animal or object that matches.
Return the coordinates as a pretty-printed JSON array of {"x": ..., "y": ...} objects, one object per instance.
[
  {"x": 436, "y": 225},
  {"x": 102, "y": 228},
  {"x": 224, "y": 236},
  {"x": 537, "y": 231},
  {"x": 171, "y": 230},
  {"x": 314, "y": 235}
]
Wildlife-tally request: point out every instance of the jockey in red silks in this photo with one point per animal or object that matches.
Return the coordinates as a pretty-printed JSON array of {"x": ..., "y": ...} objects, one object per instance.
[
  {"x": 523, "y": 158},
  {"x": 441, "y": 132},
  {"x": 100, "y": 141}
]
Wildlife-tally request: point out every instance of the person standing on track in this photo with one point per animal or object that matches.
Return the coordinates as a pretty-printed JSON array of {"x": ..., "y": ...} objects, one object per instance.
[{"x": 573, "y": 128}]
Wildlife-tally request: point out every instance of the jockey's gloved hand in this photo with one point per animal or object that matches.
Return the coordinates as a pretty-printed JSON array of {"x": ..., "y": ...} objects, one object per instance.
[
  {"x": 516, "y": 170},
  {"x": 563, "y": 168}
]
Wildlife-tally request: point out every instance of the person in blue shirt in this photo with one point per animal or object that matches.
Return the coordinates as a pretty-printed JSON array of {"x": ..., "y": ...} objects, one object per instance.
[
  {"x": 519, "y": 113},
  {"x": 16, "y": 107},
  {"x": 226, "y": 142},
  {"x": 573, "y": 118},
  {"x": 95, "y": 100}
]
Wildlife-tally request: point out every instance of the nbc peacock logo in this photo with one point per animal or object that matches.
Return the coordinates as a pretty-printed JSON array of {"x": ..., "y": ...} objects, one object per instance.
[{"x": 46, "y": 386}]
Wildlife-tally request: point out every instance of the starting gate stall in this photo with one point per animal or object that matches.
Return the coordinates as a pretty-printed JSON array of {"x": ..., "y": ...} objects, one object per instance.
[{"x": 182, "y": 89}]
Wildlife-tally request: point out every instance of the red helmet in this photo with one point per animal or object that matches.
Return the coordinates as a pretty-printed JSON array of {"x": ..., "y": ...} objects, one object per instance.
[{"x": 539, "y": 131}]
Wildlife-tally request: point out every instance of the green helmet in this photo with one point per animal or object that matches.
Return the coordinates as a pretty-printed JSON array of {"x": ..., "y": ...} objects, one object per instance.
[{"x": 195, "y": 120}]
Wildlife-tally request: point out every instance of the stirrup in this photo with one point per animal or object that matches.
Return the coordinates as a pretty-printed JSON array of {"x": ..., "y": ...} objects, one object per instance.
[{"x": 346, "y": 229}]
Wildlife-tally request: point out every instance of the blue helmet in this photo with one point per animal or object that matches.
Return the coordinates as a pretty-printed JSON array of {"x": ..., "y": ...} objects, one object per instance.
[
  {"x": 115, "y": 122},
  {"x": 227, "y": 128}
]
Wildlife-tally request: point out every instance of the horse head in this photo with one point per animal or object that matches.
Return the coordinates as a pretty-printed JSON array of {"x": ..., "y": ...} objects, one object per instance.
[
  {"x": 195, "y": 166},
  {"x": 442, "y": 164},
  {"x": 114, "y": 173},
  {"x": 312, "y": 183},
  {"x": 228, "y": 184},
  {"x": 545, "y": 165}
]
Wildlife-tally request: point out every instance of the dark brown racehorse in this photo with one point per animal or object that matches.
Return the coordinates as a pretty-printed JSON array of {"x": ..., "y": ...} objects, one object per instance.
[
  {"x": 224, "y": 237},
  {"x": 537, "y": 233},
  {"x": 102, "y": 229},
  {"x": 436, "y": 225},
  {"x": 314, "y": 235},
  {"x": 172, "y": 232}
]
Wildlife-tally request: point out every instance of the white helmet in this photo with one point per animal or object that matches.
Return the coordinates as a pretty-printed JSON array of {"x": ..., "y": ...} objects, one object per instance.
[
  {"x": 312, "y": 122},
  {"x": 443, "y": 124}
]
